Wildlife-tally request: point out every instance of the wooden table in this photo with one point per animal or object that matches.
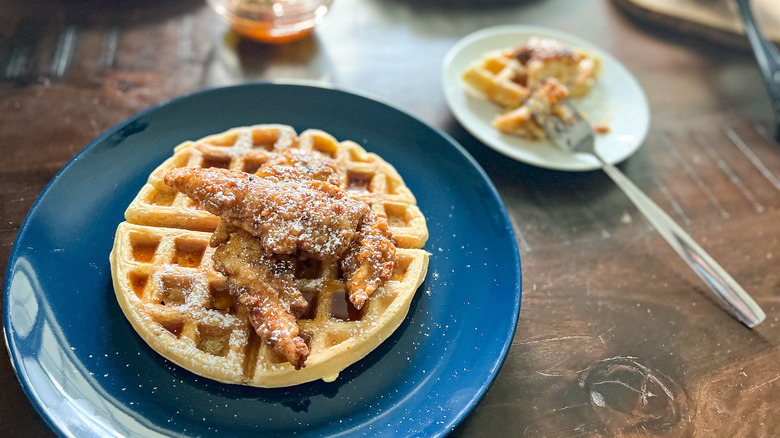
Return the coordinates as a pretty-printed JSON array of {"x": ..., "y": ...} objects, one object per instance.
[{"x": 616, "y": 335}]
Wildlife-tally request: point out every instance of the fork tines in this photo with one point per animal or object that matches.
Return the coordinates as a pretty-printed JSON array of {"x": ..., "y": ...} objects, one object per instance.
[{"x": 564, "y": 126}]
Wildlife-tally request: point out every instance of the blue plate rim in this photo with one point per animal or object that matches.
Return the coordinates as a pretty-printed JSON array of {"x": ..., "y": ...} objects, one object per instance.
[{"x": 447, "y": 426}]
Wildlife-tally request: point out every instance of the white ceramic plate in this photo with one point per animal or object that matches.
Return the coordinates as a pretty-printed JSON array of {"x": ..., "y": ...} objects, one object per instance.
[{"x": 616, "y": 100}]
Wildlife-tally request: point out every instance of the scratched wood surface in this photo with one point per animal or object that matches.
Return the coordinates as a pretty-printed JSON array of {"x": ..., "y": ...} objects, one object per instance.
[{"x": 616, "y": 336}]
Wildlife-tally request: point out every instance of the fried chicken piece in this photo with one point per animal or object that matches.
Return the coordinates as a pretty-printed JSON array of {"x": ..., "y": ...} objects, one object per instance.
[
  {"x": 368, "y": 262},
  {"x": 370, "y": 258},
  {"x": 295, "y": 164},
  {"x": 547, "y": 58},
  {"x": 268, "y": 220},
  {"x": 264, "y": 284},
  {"x": 287, "y": 216},
  {"x": 547, "y": 99},
  {"x": 251, "y": 265}
]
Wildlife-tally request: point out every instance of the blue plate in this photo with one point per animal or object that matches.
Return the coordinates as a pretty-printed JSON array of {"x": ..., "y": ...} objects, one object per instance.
[{"x": 89, "y": 374}]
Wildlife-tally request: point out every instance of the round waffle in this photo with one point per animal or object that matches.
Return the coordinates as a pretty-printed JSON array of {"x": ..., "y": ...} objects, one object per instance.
[{"x": 168, "y": 289}]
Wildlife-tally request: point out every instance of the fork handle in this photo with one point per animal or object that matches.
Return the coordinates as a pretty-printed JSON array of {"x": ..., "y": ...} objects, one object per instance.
[{"x": 725, "y": 288}]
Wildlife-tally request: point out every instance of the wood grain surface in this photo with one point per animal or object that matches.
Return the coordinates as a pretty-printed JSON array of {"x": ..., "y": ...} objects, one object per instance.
[{"x": 616, "y": 337}]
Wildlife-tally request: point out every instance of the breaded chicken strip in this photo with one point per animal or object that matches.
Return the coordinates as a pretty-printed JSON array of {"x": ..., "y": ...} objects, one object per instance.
[
  {"x": 287, "y": 215},
  {"x": 295, "y": 164},
  {"x": 268, "y": 220},
  {"x": 264, "y": 284}
]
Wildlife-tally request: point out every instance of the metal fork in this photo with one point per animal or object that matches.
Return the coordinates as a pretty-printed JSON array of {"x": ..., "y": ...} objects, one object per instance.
[
  {"x": 576, "y": 135},
  {"x": 768, "y": 59}
]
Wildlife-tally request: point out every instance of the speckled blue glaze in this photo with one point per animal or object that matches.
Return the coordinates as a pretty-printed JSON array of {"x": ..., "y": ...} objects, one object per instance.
[{"x": 89, "y": 374}]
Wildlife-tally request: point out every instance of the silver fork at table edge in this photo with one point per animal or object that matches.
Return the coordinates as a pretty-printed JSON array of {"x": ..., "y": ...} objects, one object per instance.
[{"x": 576, "y": 135}]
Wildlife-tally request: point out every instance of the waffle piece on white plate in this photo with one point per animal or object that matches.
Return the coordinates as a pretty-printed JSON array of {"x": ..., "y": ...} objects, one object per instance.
[
  {"x": 548, "y": 99},
  {"x": 542, "y": 70},
  {"x": 546, "y": 58}
]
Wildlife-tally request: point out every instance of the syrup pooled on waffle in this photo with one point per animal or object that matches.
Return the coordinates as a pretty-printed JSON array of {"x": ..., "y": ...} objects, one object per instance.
[{"x": 332, "y": 292}]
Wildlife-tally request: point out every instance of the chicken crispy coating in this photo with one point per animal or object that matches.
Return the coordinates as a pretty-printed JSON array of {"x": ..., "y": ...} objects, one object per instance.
[
  {"x": 292, "y": 206},
  {"x": 369, "y": 260},
  {"x": 264, "y": 284},
  {"x": 287, "y": 215},
  {"x": 246, "y": 263},
  {"x": 295, "y": 164}
]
